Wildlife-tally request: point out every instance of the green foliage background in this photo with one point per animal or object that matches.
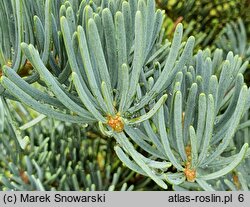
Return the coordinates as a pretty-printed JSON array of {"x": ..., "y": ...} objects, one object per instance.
[{"x": 183, "y": 104}]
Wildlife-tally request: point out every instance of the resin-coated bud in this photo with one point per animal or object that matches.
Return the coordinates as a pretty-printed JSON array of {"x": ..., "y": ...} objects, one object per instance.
[{"x": 115, "y": 122}]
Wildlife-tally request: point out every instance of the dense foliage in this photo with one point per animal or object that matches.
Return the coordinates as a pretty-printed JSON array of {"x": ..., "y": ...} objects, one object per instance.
[{"x": 116, "y": 95}]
